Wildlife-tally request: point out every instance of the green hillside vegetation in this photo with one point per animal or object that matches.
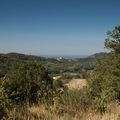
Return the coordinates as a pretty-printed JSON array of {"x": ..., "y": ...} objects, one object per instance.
[
  {"x": 27, "y": 90},
  {"x": 79, "y": 66}
]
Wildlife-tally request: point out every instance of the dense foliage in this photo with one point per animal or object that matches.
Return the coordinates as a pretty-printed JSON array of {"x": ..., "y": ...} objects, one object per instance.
[
  {"x": 67, "y": 68},
  {"x": 104, "y": 85},
  {"x": 4, "y": 103},
  {"x": 28, "y": 82}
]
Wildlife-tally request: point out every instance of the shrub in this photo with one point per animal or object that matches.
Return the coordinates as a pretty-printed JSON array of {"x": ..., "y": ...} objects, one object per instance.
[
  {"x": 4, "y": 103},
  {"x": 28, "y": 83},
  {"x": 72, "y": 101}
]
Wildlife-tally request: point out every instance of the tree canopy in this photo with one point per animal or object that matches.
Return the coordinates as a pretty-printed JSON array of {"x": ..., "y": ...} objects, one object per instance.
[
  {"x": 104, "y": 84},
  {"x": 113, "y": 40}
]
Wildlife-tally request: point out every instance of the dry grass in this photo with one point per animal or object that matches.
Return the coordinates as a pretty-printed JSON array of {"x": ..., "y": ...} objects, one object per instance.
[
  {"x": 89, "y": 115},
  {"x": 76, "y": 84},
  {"x": 41, "y": 113}
]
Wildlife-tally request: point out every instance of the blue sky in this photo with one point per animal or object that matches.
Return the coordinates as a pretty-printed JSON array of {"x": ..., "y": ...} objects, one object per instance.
[{"x": 56, "y": 27}]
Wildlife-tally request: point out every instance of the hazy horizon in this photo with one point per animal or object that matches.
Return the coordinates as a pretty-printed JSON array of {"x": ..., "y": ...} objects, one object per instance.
[
  {"x": 56, "y": 27},
  {"x": 66, "y": 56},
  {"x": 56, "y": 55}
]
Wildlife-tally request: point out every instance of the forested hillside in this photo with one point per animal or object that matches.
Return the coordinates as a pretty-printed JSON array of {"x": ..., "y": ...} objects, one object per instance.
[{"x": 54, "y": 66}]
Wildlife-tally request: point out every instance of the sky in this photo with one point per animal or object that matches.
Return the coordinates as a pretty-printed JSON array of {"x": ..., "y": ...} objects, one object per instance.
[{"x": 56, "y": 27}]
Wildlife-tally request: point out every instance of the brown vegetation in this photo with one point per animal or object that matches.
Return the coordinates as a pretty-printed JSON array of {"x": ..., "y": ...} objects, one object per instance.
[
  {"x": 42, "y": 113},
  {"x": 76, "y": 83}
]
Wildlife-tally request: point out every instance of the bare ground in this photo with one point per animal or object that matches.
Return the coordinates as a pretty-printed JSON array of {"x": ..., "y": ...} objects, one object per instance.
[{"x": 76, "y": 83}]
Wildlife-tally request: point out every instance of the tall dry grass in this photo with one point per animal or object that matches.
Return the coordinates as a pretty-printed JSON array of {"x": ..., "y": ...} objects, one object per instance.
[{"x": 40, "y": 112}]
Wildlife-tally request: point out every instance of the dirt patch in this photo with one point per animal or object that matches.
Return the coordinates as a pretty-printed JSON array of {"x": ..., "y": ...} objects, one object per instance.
[{"x": 76, "y": 83}]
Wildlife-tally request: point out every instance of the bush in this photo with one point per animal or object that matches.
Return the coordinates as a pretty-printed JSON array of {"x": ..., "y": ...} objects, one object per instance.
[
  {"x": 4, "y": 103},
  {"x": 104, "y": 84},
  {"x": 72, "y": 101},
  {"x": 28, "y": 83}
]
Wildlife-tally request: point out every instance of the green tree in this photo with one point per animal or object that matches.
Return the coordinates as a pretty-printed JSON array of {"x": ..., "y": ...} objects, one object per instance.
[
  {"x": 28, "y": 82},
  {"x": 113, "y": 40},
  {"x": 104, "y": 84}
]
